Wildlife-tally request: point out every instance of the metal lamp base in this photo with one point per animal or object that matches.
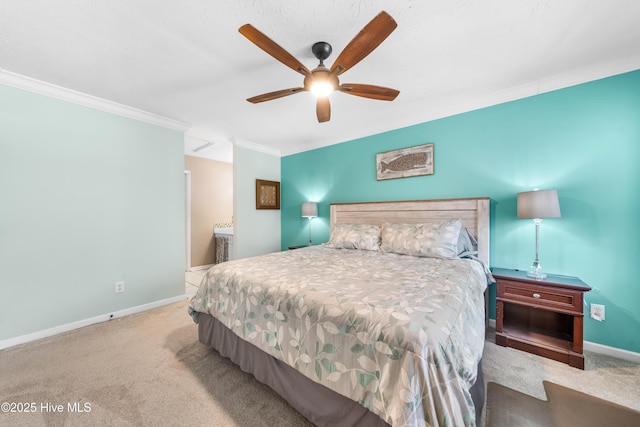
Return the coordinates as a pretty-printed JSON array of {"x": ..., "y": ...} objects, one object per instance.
[
  {"x": 535, "y": 271},
  {"x": 537, "y": 276}
]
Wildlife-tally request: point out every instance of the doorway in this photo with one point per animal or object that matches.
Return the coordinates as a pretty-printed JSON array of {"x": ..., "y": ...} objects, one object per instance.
[{"x": 208, "y": 206}]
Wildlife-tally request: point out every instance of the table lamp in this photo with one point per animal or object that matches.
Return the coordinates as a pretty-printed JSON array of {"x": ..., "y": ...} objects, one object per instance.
[
  {"x": 310, "y": 210},
  {"x": 536, "y": 205}
]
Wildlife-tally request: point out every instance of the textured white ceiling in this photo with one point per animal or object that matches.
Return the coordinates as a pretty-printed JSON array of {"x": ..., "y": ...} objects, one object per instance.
[{"x": 184, "y": 59}]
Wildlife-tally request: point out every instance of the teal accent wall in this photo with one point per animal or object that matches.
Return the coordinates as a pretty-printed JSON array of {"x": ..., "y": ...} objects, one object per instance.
[
  {"x": 583, "y": 141},
  {"x": 87, "y": 198}
]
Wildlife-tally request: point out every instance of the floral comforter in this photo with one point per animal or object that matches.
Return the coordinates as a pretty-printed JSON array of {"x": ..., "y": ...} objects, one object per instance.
[{"x": 401, "y": 335}]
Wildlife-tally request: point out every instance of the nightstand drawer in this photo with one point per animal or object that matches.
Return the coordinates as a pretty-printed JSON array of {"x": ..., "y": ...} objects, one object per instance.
[{"x": 541, "y": 296}]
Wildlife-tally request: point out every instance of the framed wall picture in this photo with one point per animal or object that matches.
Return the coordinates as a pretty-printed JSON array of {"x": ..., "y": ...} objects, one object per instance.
[
  {"x": 406, "y": 162},
  {"x": 267, "y": 194}
]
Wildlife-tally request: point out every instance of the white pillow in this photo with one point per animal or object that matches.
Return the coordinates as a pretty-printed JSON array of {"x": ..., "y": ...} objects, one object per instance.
[
  {"x": 355, "y": 236},
  {"x": 433, "y": 240},
  {"x": 467, "y": 244}
]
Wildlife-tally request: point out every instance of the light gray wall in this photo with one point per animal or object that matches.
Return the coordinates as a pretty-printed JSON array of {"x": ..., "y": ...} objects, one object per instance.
[
  {"x": 87, "y": 198},
  {"x": 257, "y": 231}
]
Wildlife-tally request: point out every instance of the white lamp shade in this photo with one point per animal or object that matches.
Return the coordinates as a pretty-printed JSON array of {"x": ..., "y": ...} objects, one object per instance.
[
  {"x": 538, "y": 204},
  {"x": 310, "y": 209}
]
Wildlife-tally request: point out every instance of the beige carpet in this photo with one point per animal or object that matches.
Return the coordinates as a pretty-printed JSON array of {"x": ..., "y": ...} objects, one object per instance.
[
  {"x": 142, "y": 370},
  {"x": 150, "y": 369},
  {"x": 564, "y": 407}
]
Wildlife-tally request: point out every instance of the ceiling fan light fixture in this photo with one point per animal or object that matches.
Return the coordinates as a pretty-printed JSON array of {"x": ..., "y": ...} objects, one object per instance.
[
  {"x": 321, "y": 81},
  {"x": 321, "y": 88}
]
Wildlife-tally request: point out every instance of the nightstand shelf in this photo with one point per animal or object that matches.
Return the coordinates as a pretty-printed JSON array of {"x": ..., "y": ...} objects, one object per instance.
[
  {"x": 543, "y": 317},
  {"x": 541, "y": 337},
  {"x": 297, "y": 247}
]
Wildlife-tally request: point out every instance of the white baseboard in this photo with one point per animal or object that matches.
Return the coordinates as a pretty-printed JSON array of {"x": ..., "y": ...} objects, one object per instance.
[
  {"x": 202, "y": 267},
  {"x": 22, "y": 339},
  {"x": 600, "y": 349},
  {"x": 612, "y": 351}
]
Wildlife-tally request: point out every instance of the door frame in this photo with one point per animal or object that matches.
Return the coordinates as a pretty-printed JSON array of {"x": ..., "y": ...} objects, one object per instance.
[{"x": 187, "y": 220}]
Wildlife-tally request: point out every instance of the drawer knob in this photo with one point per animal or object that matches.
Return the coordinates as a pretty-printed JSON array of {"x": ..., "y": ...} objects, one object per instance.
[{"x": 536, "y": 296}]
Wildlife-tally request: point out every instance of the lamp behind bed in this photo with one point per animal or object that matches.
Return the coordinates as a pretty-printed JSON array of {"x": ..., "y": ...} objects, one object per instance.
[{"x": 309, "y": 210}]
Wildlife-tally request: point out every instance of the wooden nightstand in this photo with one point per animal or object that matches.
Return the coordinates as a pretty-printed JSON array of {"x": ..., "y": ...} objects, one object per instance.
[
  {"x": 297, "y": 247},
  {"x": 543, "y": 317}
]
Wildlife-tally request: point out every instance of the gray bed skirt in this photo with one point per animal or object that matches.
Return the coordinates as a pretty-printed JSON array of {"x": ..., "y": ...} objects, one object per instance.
[{"x": 317, "y": 403}]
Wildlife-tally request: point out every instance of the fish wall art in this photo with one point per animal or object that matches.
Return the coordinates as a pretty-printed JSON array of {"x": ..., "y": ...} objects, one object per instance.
[{"x": 406, "y": 162}]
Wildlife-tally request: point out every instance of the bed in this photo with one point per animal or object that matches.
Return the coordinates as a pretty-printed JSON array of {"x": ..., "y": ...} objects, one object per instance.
[{"x": 382, "y": 325}]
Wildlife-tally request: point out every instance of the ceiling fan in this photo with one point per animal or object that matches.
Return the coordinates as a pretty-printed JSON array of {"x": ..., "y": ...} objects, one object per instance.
[{"x": 321, "y": 81}]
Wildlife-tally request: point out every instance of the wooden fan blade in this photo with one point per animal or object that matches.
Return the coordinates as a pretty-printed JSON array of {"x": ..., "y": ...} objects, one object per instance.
[
  {"x": 365, "y": 42},
  {"x": 273, "y": 49},
  {"x": 274, "y": 95},
  {"x": 369, "y": 91},
  {"x": 323, "y": 109}
]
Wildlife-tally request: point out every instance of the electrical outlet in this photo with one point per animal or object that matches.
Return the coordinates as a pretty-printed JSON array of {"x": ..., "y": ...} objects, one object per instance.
[
  {"x": 597, "y": 311},
  {"x": 119, "y": 287}
]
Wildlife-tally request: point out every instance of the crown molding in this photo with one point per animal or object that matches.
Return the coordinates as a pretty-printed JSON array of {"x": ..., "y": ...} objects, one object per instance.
[
  {"x": 239, "y": 142},
  {"x": 58, "y": 92}
]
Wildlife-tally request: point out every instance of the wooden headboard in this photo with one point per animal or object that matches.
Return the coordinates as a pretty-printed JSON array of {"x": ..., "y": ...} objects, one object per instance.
[{"x": 473, "y": 212}]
